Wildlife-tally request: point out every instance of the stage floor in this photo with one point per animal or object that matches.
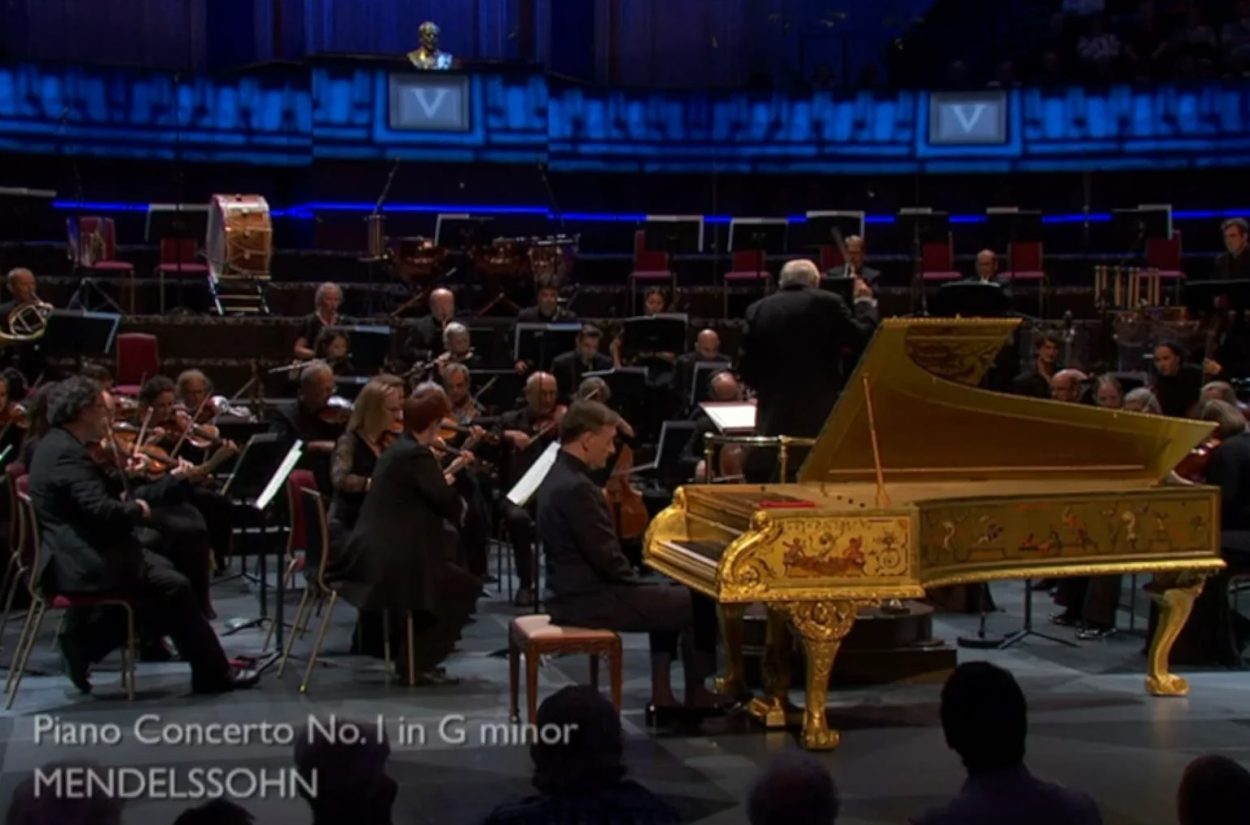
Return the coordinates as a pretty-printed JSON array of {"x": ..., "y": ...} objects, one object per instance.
[{"x": 1091, "y": 726}]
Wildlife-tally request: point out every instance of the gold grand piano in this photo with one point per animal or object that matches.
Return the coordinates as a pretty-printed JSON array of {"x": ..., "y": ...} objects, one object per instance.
[{"x": 919, "y": 479}]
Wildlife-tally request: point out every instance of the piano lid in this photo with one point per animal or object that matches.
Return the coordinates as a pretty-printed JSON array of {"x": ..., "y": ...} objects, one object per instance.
[{"x": 933, "y": 422}]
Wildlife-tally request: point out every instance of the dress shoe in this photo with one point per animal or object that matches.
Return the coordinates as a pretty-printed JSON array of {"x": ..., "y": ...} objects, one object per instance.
[
  {"x": 1095, "y": 634},
  {"x": 236, "y": 679},
  {"x": 1066, "y": 619},
  {"x": 76, "y": 662}
]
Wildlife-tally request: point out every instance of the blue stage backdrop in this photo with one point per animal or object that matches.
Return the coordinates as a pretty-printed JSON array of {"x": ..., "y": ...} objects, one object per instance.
[{"x": 373, "y": 109}]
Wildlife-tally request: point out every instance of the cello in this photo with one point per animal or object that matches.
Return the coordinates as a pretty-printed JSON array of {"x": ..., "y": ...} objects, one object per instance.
[{"x": 629, "y": 512}]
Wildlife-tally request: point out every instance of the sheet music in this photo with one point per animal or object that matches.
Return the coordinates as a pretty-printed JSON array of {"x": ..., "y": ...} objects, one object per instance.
[
  {"x": 279, "y": 478},
  {"x": 731, "y": 416},
  {"x": 533, "y": 478}
]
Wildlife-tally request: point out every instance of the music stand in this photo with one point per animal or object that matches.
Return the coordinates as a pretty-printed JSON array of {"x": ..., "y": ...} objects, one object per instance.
[
  {"x": 665, "y": 332},
  {"x": 539, "y": 344},
  {"x": 349, "y": 386},
  {"x": 821, "y": 229},
  {"x": 461, "y": 231},
  {"x": 78, "y": 332},
  {"x": 673, "y": 438},
  {"x": 259, "y": 475},
  {"x": 701, "y": 379},
  {"x": 923, "y": 225},
  {"x": 971, "y": 299},
  {"x": 482, "y": 342},
  {"x": 370, "y": 346},
  {"x": 1006, "y": 225},
  {"x": 767, "y": 235}
]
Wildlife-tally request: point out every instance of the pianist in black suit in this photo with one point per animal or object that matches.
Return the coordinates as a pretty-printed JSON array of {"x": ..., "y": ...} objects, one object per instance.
[
  {"x": 1234, "y": 261},
  {"x": 791, "y": 354},
  {"x": 590, "y": 583},
  {"x": 570, "y": 367}
]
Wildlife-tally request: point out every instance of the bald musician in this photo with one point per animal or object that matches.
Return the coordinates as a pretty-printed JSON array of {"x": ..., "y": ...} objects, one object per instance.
[
  {"x": 706, "y": 350},
  {"x": 426, "y": 339},
  {"x": 310, "y": 419},
  {"x": 1066, "y": 385}
]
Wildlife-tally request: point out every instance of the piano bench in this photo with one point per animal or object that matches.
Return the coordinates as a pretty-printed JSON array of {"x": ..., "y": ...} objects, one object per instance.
[{"x": 536, "y": 636}]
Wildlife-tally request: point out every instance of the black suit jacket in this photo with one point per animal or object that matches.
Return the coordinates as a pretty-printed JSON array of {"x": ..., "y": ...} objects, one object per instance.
[
  {"x": 869, "y": 274},
  {"x": 791, "y": 354},
  {"x": 569, "y": 370},
  {"x": 583, "y": 555},
  {"x": 401, "y": 532},
  {"x": 1226, "y": 266},
  {"x": 88, "y": 543},
  {"x": 1228, "y": 467},
  {"x": 425, "y": 340}
]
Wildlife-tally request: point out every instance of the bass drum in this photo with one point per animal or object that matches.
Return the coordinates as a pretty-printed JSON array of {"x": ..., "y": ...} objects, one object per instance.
[{"x": 240, "y": 237}]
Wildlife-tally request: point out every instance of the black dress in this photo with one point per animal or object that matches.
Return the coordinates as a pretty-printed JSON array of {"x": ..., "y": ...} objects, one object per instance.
[{"x": 398, "y": 557}]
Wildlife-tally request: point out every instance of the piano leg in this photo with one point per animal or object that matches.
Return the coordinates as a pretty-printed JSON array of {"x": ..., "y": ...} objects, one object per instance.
[
  {"x": 774, "y": 709},
  {"x": 1175, "y": 594},
  {"x": 733, "y": 683},
  {"x": 822, "y": 626}
]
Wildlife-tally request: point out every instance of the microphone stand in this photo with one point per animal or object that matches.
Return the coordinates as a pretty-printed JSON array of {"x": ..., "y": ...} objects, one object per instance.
[{"x": 376, "y": 236}]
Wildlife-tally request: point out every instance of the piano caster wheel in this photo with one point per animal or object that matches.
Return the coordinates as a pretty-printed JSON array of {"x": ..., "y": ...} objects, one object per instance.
[
  {"x": 1169, "y": 684},
  {"x": 823, "y": 739}
]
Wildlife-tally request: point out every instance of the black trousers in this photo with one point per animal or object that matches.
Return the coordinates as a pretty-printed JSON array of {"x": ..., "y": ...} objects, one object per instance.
[
  {"x": 218, "y": 515},
  {"x": 165, "y": 602},
  {"x": 475, "y": 534},
  {"x": 185, "y": 542},
  {"x": 1094, "y": 598},
  {"x": 673, "y": 617},
  {"x": 521, "y": 531}
]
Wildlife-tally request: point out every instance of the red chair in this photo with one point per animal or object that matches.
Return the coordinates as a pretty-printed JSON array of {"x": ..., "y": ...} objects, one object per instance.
[
  {"x": 41, "y": 603},
  {"x": 937, "y": 262},
  {"x": 93, "y": 249},
  {"x": 138, "y": 359},
  {"x": 1163, "y": 259},
  {"x": 1024, "y": 265},
  {"x": 749, "y": 267},
  {"x": 178, "y": 261},
  {"x": 650, "y": 268},
  {"x": 297, "y": 536}
]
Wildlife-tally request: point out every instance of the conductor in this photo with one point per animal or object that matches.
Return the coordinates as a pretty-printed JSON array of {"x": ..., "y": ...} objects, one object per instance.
[{"x": 792, "y": 355}]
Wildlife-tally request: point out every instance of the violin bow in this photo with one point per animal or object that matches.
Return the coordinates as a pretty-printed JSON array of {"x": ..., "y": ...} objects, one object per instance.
[{"x": 182, "y": 439}]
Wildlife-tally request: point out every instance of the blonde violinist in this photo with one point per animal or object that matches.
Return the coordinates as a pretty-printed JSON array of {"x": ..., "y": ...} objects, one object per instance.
[{"x": 376, "y": 420}]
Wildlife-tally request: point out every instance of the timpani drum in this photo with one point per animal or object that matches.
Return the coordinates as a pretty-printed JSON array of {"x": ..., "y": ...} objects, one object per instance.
[{"x": 240, "y": 238}]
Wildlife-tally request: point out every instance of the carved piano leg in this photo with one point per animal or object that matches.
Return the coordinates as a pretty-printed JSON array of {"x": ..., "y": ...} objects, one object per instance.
[
  {"x": 1175, "y": 594},
  {"x": 823, "y": 626},
  {"x": 774, "y": 707},
  {"x": 733, "y": 682}
]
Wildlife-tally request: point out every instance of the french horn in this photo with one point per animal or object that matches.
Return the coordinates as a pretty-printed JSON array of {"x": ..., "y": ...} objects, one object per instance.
[{"x": 26, "y": 322}]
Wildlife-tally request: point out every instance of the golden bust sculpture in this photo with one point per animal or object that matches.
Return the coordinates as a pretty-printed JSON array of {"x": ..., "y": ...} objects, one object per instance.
[{"x": 427, "y": 56}]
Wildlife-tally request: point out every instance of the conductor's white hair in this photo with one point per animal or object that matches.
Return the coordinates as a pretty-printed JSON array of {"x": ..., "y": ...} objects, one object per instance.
[{"x": 799, "y": 271}]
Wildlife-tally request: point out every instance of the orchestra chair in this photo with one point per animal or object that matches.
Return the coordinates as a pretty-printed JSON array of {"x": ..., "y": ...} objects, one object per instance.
[
  {"x": 749, "y": 266},
  {"x": 1163, "y": 260},
  {"x": 536, "y": 636},
  {"x": 178, "y": 263},
  {"x": 651, "y": 268},
  {"x": 138, "y": 359},
  {"x": 1024, "y": 265},
  {"x": 41, "y": 603},
  {"x": 830, "y": 257},
  {"x": 297, "y": 533},
  {"x": 937, "y": 262},
  {"x": 93, "y": 249},
  {"x": 14, "y": 479}
]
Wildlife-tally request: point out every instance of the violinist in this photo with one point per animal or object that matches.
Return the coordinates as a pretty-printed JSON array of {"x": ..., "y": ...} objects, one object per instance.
[
  {"x": 457, "y": 379},
  {"x": 195, "y": 392},
  {"x": 327, "y": 301},
  {"x": 526, "y": 433},
  {"x": 569, "y": 368},
  {"x": 472, "y": 485},
  {"x": 397, "y": 560},
  {"x": 706, "y": 350},
  {"x": 457, "y": 347},
  {"x": 311, "y": 419},
  {"x": 377, "y": 417},
  {"x": 99, "y": 373},
  {"x": 37, "y": 422}
]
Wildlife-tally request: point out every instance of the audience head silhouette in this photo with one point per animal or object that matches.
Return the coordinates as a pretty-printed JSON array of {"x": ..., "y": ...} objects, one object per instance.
[
  {"x": 216, "y": 812},
  {"x": 45, "y": 807},
  {"x": 1214, "y": 791},
  {"x": 984, "y": 717},
  {"x": 795, "y": 789},
  {"x": 352, "y": 783},
  {"x": 590, "y": 757}
]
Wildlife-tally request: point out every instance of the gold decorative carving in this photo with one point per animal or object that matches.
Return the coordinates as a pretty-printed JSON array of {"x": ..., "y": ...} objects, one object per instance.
[{"x": 822, "y": 627}]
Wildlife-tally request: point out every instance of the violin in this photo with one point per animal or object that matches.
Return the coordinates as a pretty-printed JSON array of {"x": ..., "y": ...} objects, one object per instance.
[
  {"x": 336, "y": 411},
  {"x": 547, "y": 423},
  {"x": 1193, "y": 467},
  {"x": 389, "y": 435}
]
